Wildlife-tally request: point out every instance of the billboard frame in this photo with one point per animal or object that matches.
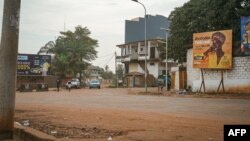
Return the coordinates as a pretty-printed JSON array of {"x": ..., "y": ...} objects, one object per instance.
[
  {"x": 33, "y": 65},
  {"x": 212, "y": 50}
]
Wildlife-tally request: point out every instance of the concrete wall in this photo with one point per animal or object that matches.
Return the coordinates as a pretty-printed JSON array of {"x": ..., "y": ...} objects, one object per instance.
[
  {"x": 139, "y": 69},
  {"x": 177, "y": 78},
  {"x": 236, "y": 80},
  {"x": 153, "y": 69},
  {"x": 34, "y": 80},
  {"x": 133, "y": 67},
  {"x": 29, "y": 134}
]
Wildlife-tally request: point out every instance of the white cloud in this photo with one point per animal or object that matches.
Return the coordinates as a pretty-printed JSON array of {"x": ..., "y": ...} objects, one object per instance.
[{"x": 41, "y": 20}]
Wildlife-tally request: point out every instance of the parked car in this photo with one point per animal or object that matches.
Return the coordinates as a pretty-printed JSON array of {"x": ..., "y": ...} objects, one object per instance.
[
  {"x": 94, "y": 84},
  {"x": 75, "y": 83}
]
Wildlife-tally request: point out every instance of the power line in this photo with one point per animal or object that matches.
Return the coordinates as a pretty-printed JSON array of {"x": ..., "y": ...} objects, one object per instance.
[
  {"x": 105, "y": 60},
  {"x": 109, "y": 60},
  {"x": 105, "y": 55}
]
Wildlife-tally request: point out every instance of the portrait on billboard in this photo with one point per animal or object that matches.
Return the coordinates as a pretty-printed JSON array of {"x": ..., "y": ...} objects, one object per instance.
[
  {"x": 212, "y": 50},
  {"x": 245, "y": 36}
]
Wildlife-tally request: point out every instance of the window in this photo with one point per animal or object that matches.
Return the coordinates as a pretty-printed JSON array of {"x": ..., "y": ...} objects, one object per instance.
[
  {"x": 141, "y": 49},
  {"x": 164, "y": 72},
  {"x": 152, "y": 52},
  {"x": 152, "y": 64},
  {"x": 136, "y": 50},
  {"x": 36, "y": 62}
]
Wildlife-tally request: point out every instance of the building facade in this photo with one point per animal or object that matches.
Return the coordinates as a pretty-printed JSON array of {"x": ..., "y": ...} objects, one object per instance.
[
  {"x": 92, "y": 73},
  {"x": 134, "y": 51}
]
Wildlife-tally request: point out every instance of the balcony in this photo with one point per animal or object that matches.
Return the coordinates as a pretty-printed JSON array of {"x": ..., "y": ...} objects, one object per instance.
[
  {"x": 134, "y": 56},
  {"x": 131, "y": 57},
  {"x": 142, "y": 56},
  {"x": 122, "y": 59}
]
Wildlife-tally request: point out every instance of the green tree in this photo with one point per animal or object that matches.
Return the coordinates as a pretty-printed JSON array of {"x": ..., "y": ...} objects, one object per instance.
[
  {"x": 120, "y": 70},
  {"x": 46, "y": 48},
  {"x": 201, "y": 16},
  {"x": 100, "y": 71},
  {"x": 73, "y": 50},
  {"x": 60, "y": 65},
  {"x": 107, "y": 74}
]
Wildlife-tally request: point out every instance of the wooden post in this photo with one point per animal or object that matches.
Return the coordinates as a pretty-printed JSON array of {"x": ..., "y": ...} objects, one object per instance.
[
  {"x": 221, "y": 83},
  {"x": 202, "y": 82},
  {"x": 8, "y": 63}
]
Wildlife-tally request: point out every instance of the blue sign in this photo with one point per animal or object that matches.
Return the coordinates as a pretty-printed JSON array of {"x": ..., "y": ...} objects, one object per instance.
[
  {"x": 22, "y": 57},
  {"x": 245, "y": 36},
  {"x": 30, "y": 64}
]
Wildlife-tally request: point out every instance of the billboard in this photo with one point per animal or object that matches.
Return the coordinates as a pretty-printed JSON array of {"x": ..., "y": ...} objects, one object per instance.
[
  {"x": 245, "y": 36},
  {"x": 30, "y": 64},
  {"x": 212, "y": 50}
]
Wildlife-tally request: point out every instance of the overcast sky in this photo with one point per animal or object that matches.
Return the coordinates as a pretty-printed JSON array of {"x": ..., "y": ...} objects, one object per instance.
[{"x": 42, "y": 20}]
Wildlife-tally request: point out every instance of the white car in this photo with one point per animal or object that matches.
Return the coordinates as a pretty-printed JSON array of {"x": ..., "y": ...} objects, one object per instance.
[
  {"x": 94, "y": 84},
  {"x": 73, "y": 83}
]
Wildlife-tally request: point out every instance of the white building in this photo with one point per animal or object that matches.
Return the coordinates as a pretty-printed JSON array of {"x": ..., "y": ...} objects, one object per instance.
[
  {"x": 133, "y": 57},
  {"x": 134, "y": 52}
]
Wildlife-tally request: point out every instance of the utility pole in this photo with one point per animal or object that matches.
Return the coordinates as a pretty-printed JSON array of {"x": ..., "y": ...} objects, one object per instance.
[
  {"x": 166, "y": 78},
  {"x": 145, "y": 43},
  {"x": 116, "y": 72},
  {"x": 8, "y": 63}
]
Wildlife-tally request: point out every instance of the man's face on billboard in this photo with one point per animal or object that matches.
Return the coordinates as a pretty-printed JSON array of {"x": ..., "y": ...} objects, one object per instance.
[{"x": 218, "y": 41}]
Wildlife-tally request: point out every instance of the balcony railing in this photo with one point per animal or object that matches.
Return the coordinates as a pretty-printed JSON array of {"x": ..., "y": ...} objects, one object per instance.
[
  {"x": 131, "y": 57},
  {"x": 123, "y": 58},
  {"x": 142, "y": 54}
]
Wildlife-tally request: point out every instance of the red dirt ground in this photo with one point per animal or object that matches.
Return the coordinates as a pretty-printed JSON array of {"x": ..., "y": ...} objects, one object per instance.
[{"x": 78, "y": 121}]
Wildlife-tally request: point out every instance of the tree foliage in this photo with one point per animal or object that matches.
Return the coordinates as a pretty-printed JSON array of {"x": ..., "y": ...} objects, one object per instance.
[
  {"x": 73, "y": 50},
  {"x": 46, "y": 48},
  {"x": 202, "y": 16},
  {"x": 120, "y": 70},
  {"x": 106, "y": 74}
]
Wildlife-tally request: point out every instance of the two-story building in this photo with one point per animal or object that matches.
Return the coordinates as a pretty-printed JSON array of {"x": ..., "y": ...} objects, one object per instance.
[
  {"x": 134, "y": 52},
  {"x": 92, "y": 73}
]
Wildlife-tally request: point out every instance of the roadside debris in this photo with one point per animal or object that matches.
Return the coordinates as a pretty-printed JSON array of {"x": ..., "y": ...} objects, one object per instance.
[
  {"x": 53, "y": 132},
  {"x": 62, "y": 131},
  {"x": 109, "y": 139},
  {"x": 26, "y": 123},
  {"x": 17, "y": 123}
]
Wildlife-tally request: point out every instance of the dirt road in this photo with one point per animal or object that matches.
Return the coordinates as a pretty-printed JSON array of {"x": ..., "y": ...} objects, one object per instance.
[{"x": 94, "y": 114}]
